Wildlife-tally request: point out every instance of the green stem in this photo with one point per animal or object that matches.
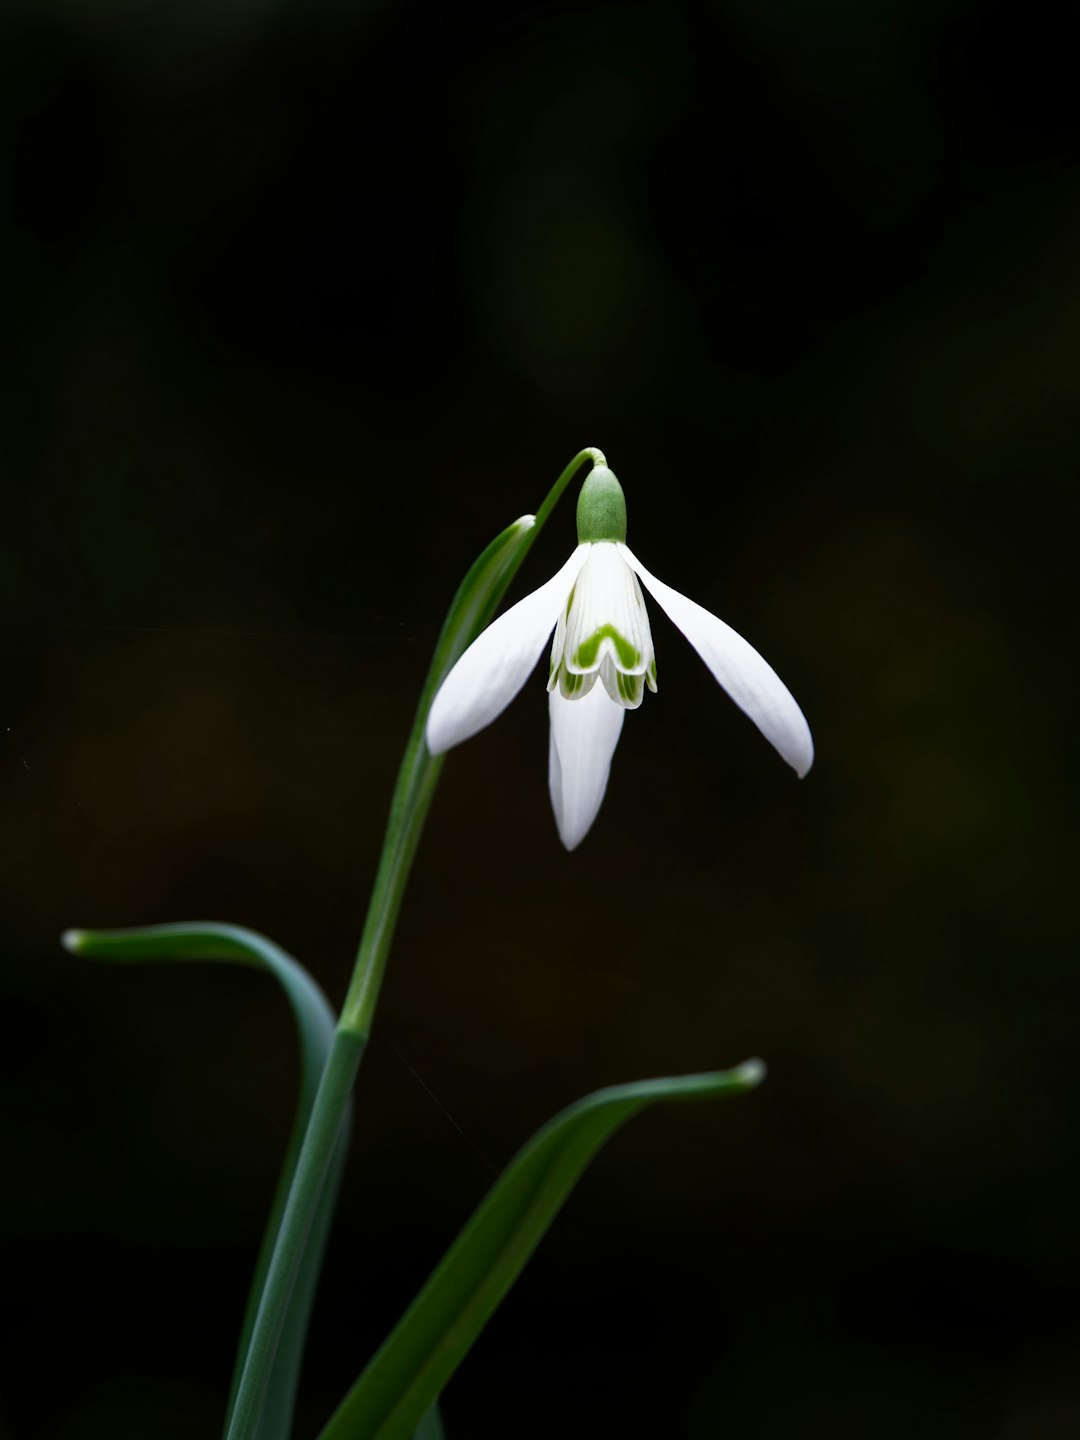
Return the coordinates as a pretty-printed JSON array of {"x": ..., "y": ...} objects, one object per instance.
[
  {"x": 408, "y": 810},
  {"x": 473, "y": 607},
  {"x": 312, "y": 1167},
  {"x": 551, "y": 500},
  {"x": 415, "y": 786}
]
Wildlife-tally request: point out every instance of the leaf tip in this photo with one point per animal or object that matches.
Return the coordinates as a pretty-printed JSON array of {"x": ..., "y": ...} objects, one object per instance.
[
  {"x": 73, "y": 941},
  {"x": 751, "y": 1073}
]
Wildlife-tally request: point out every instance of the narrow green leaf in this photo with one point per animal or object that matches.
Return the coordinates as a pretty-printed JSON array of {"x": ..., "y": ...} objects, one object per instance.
[
  {"x": 477, "y": 598},
  {"x": 315, "y": 1026},
  {"x": 431, "y": 1426},
  {"x": 435, "y": 1334}
]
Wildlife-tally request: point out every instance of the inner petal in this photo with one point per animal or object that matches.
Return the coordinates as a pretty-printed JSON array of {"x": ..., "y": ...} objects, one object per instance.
[
  {"x": 609, "y": 642},
  {"x": 626, "y": 690},
  {"x": 572, "y": 686},
  {"x": 607, "y": 622}
]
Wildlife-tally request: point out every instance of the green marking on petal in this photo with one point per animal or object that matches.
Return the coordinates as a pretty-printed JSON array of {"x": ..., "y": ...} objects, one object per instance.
[
  {"x": 570, "y": 683},
  {"x": 589, "y": 649},
  {"x": 631, "y": 688}
]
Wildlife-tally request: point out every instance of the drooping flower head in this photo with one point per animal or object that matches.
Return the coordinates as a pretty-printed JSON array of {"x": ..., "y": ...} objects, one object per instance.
[{"x": 602, "y": 660}]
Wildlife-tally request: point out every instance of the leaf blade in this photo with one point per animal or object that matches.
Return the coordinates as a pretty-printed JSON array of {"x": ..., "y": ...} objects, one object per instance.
[
  {"x": 419, "y": 1356},
  {"x": 431, "y": 1426},
  {"x": 209, "y": 941}
]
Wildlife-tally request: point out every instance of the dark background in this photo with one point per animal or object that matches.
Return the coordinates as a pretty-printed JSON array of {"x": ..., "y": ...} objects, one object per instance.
[{"x": 300, "y": 304}]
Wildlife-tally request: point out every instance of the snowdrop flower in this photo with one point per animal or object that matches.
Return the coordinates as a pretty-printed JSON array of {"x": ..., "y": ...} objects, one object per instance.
[{"x": 601, "y": 661}]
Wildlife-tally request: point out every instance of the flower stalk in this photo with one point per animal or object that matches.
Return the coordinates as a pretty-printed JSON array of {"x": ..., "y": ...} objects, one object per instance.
[
  {"x": 420, "y": 769},
  {"x": 472, "y": 609},
  {"x": 312, "y": 1168}
]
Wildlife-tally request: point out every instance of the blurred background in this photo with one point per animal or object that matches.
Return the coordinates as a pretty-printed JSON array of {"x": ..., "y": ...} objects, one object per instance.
[{"x": 301, "y": 304}]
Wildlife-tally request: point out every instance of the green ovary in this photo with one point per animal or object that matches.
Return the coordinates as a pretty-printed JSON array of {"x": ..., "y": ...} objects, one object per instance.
[{"x": 588, "y": 650}]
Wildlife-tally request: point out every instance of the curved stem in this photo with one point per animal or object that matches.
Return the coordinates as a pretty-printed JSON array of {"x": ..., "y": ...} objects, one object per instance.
[
  {"x": 472, "y": 609},
  {"x": 551, "y": 500},
  {"x": 412, "y": 795}
]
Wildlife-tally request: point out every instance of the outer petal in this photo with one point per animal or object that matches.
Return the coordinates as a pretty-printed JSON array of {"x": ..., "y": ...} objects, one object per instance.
[
  {"x": 750, "y": 681},
  {"x": 498, "y": 662},
  {"x": 584, "y": 733}
]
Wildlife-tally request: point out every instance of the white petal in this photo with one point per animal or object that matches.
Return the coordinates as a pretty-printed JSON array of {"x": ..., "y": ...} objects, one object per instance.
[
  {"x": 573, "y": 687},
  {"x": 623, "y": 689},
  {"x": 584, "y": 733},
  {"x": 607, "y": 604},
  {"x": 750, "y": 681},
  {"x": 498, "y": 662}
]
